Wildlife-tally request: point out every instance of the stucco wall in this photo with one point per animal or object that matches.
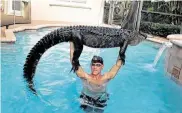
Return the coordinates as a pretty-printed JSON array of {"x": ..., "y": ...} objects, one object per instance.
[
  {"x": 91, "y": 13},
  {"x": 174, "y": 62}
]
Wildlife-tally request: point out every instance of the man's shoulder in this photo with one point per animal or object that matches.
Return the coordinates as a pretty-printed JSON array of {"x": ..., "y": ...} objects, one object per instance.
[
  {"x": 85, "y": 76},
  {"x": 106, "y": 76}
]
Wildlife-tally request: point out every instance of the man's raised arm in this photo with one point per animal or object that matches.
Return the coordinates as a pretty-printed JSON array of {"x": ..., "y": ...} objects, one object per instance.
[
  {"x": 113, "y": 71},
  {"x": 80, "y": 72},
  {"x": 120, "y": 61}
]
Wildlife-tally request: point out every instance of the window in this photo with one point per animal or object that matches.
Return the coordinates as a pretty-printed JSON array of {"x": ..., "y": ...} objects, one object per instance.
[
  {"x": 14, "y": 6},
  {"x": 74, "y": 1},
  {"x": 84, "y": 4}
]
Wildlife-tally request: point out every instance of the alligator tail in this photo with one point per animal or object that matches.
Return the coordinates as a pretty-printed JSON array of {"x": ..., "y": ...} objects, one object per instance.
[{"x": 49, "y": 40}]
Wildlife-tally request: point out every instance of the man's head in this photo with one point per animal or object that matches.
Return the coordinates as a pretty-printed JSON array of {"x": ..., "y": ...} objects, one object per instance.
[{"x": 97, "y": 65}]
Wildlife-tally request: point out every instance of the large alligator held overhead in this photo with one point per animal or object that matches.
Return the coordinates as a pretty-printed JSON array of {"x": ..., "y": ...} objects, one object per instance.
[
  {"x": 91, "y": 36},
  {"x": 95, "y": 37}
]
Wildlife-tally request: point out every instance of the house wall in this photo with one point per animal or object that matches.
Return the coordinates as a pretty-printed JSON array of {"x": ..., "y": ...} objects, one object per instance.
[{"x": 50, "y": 10}]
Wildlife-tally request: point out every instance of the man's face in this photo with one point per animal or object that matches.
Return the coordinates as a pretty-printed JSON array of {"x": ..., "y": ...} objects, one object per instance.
[{"x": 96, "y": 68}]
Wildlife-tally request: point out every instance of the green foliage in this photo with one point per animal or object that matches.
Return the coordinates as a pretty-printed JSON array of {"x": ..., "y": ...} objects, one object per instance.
[
  {"x": 162, "y": 12},
  {"x": 157, "y": 18},
  {"x": 159, "y": 29},
  {"x": 150, "y": 9}
]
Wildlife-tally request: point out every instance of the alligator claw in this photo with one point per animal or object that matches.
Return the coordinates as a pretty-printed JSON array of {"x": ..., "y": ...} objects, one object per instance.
[{"x": 75, "y": 65}]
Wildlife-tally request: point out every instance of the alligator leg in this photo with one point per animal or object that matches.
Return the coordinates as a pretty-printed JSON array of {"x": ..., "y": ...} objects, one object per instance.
[
  {"x": 123, "y": 47},
  {"x": 78, "y": 47}
]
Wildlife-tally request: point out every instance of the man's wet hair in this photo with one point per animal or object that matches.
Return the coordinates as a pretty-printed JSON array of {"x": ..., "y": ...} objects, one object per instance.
[{"x": 97, "y": 59}]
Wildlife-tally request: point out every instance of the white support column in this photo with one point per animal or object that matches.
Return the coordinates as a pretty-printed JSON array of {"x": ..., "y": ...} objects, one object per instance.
[
  {"x": 111, "y": 12},
  {"x": 139, "y": 16}
]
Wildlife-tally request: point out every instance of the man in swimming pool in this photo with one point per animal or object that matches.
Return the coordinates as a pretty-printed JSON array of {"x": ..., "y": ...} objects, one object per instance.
[{"x": 94, "y": 95}]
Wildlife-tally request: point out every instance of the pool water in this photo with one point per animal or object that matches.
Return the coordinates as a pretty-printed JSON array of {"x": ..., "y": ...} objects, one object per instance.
[{"x": 137, "y": 88}]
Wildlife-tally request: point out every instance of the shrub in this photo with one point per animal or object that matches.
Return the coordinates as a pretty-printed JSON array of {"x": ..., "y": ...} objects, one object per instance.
[{"x": 159, "y": 29}]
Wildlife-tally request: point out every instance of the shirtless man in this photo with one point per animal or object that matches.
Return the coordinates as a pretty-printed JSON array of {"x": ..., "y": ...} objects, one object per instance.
[{"x": 94, "y": 94}]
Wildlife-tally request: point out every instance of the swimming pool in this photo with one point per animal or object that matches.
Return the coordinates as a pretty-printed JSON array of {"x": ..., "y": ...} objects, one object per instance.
[{"x": 137, "y": 88}]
